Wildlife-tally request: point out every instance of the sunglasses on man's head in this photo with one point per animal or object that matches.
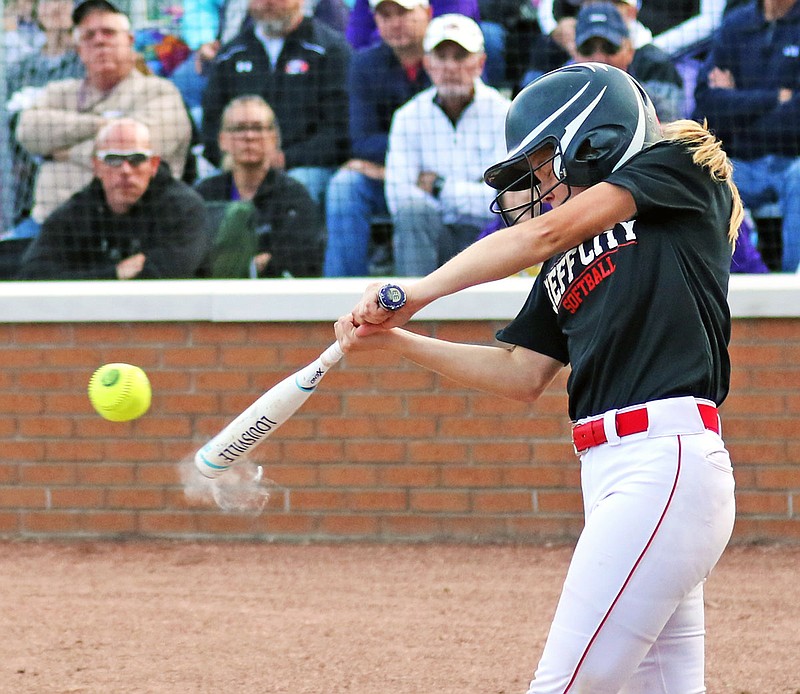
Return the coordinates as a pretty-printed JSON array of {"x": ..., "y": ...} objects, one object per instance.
[
  {"x": 117, "y": 159},
  {"x": 598, "y": 45}
]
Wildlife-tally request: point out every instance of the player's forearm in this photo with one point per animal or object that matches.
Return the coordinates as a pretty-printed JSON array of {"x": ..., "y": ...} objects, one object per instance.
[
  {"x": 492, "y": 369},
  {"x": 502, "y": 254},
  {"x": 509, "y": 251}
]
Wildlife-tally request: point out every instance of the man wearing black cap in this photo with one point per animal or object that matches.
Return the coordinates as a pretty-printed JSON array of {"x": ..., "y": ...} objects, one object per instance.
[
  {"x": 82, "y": 7},
  {"x": 602, "y": 36},
  {"x": 62, "y": 123}
]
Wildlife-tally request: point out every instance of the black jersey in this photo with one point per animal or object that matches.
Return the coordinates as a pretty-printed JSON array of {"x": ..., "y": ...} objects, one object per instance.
[{"x": 640, "y": 311}]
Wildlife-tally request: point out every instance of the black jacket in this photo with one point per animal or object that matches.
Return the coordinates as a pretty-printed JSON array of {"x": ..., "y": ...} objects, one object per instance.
[
  {"x": 288, "y": 222},
  {"x": 307, "y": 90},
  {"x": 84, "y": 239}
]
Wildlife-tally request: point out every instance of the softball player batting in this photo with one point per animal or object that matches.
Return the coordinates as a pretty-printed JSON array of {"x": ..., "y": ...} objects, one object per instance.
[{"x": 636, "y": 251}]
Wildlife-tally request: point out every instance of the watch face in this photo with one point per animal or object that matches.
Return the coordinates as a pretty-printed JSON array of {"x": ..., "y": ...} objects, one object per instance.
[{"x": 391, "y": 297}]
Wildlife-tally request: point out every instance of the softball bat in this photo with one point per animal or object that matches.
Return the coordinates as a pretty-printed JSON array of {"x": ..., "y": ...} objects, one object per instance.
[{"x": 264, "y": 416}]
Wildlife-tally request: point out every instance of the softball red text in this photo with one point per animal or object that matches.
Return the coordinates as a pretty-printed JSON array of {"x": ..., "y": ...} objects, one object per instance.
[{"x": 578, "y": 272}]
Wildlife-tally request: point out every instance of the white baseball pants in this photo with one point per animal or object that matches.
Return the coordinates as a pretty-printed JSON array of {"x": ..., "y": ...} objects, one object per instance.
[{"x": 659, "y": 510}]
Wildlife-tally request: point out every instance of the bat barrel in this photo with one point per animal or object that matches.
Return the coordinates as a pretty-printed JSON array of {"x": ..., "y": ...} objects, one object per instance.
[{"x": 263, "y": 417}]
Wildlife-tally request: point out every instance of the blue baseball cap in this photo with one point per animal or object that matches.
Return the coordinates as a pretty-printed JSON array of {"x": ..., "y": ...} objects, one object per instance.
[{"x": 600, "y": 20}]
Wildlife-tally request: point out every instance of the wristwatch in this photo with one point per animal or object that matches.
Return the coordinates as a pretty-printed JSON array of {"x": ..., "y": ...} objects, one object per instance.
[
  {"x": 438, "y": 184},
  {"x": 391, "y": 297}
]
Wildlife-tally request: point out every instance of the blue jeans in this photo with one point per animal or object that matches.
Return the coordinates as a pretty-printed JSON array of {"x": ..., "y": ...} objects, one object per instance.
[
  {"x": 494, "y": 37},
  {"x": 27, "y": 228},
  {"x": 770, "y": 179},
  {"x": 314, "y": 178},
  {"x": 191, "y": 86},
  {"x": 422, "y": 241},
  {"x": 351, "y": 202}
]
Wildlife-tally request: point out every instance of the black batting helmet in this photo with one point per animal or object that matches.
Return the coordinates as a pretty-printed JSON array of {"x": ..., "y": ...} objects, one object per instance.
[{"x": 594, "y": 116}]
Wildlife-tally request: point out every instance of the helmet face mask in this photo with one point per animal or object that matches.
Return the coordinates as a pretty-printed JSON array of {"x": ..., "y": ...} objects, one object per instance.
[
  {"x": 594, "y": 116},
  {"x": 522, "y": 198}
]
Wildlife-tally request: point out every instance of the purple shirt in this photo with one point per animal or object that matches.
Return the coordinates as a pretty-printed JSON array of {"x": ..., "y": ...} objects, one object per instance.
[{"x": 746, "y": 258}]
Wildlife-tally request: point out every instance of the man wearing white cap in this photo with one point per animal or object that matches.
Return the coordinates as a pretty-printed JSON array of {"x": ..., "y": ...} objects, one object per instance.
[
  {"x": 440, "y": 143},
  {"x": 382, "y": 77}
]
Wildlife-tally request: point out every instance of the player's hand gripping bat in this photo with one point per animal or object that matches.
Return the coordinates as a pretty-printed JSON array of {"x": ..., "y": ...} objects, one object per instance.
[
  {"x": 264, "y": 416},
  {"x": 279, "y": 403}
]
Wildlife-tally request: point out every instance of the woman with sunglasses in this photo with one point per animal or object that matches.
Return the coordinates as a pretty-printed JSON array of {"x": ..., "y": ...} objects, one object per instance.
[
  {"x": 133, "y": 220},
  {"x": 636, "y": 251}
]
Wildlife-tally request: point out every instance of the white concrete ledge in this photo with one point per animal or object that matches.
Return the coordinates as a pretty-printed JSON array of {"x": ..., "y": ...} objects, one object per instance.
[{"x": 764, "y": 296}]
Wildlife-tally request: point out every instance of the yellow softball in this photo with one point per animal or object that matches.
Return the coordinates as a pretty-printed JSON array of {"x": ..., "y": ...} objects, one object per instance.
[{"x": 119, "y": 392}]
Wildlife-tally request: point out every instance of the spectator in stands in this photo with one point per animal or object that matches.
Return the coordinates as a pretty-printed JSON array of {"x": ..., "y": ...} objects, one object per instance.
[
  {"x": 556, "y": 45},
  {"x": 56, "y": 59},
  {"x": 208, "y": 24},
  {"x": 25, "y": 80},
  {"x": 602, "y": 36},
  {"x": 749, "y": 91},
  {"x": 132, "y": 221},
  {"x": 677, "y": 27},
  {"x": 299, "y": 65},
  {"x": 440, "y": 143},
  {"x": 64, "y": 120},
  {"x": 286, "y": 233},
  {"x": 382, "y": 78},
  {"x": 362, "y": 29},
  {"x": 21, "y": 35},
  {"x": 680, "y": 28}
]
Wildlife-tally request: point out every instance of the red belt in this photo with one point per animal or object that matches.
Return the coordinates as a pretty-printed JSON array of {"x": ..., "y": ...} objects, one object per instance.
[{"x": 593, "y": 433}]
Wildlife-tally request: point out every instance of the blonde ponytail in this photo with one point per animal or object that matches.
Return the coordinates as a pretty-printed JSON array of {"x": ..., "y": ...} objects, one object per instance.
[{"x": 707, "y": 152}]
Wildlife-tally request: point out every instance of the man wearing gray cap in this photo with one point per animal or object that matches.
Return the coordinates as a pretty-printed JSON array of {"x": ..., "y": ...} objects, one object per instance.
[{"x": 440, "y": 143}]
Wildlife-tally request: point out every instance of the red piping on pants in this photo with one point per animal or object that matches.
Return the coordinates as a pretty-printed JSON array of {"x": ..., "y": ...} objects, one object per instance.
[{"x": 630, "y": 574}]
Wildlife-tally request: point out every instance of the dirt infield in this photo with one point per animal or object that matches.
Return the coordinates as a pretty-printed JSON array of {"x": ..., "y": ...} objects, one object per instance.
[{"x": 241, "y": 618}]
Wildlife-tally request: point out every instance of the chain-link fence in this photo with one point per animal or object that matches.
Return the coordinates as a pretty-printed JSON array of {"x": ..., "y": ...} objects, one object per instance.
[{"x": 355, "y": 157}]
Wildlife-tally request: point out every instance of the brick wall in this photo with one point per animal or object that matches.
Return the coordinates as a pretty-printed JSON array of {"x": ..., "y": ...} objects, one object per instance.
[{"x": 382, "y": 451}]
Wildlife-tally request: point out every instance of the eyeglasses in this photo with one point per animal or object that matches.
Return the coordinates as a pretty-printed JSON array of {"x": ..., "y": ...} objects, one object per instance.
[
  {"x": 106, "y": 33},
  {"x": 243, "y": 128},
  {"x": 598, "y": 45},
  {"x": 117, "y": 159}
]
